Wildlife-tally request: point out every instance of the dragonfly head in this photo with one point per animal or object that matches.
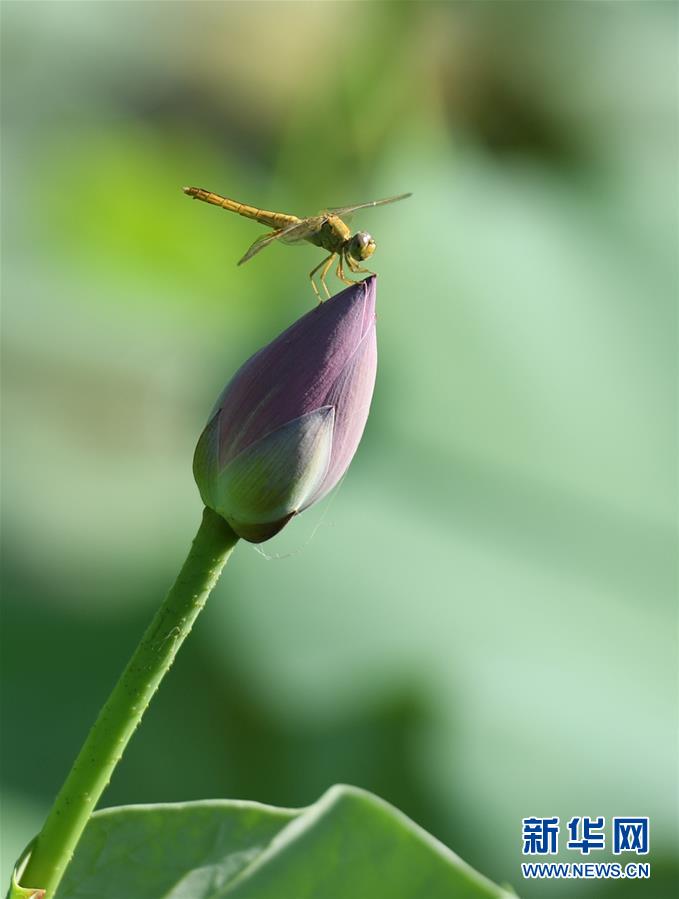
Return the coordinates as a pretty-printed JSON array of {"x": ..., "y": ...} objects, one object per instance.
[{"x": 361, "y": 246}]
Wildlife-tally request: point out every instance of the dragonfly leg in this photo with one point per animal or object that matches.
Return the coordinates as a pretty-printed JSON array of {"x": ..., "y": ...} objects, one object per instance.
[
  {"x": 340, "y": 270},
  {"x": 324, "y": 273},
  {"x": 355, "y": 267},
  {"x": 327, "y": 262}
]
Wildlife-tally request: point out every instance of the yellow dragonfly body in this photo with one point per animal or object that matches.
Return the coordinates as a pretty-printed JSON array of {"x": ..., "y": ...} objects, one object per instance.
[{"x": 326, "y": 230}]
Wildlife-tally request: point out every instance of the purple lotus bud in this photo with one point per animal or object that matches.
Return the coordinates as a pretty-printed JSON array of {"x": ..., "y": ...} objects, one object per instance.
[{"x": 287, "y": 425}]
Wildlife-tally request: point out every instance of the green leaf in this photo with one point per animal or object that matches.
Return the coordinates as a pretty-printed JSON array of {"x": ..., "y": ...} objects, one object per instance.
[{"x": 348, "y": 845}]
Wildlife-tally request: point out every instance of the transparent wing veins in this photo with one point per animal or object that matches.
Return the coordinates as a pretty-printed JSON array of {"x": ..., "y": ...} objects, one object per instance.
[
  {"x": 296, "y": 231},
  {"x": 346, "y": 210}
]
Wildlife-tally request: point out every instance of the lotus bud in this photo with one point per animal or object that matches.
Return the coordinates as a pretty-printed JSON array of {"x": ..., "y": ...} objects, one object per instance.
[{"x": 287, "y": 425}]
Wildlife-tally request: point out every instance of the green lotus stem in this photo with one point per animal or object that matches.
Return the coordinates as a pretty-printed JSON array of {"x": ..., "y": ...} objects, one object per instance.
[{"x": 126, "y": 705}]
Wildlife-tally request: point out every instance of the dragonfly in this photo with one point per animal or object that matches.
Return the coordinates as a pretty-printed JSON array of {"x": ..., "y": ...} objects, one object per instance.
[{"x": 326, "y": 230}]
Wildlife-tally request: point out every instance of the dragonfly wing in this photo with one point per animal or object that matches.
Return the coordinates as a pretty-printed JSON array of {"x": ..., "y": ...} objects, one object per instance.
[
  {"x": 258, "y": 245},
  {"x": 293, "y": 233},
  {"x": 304, "y": 229},
  {"x": 346, "y": 210}
]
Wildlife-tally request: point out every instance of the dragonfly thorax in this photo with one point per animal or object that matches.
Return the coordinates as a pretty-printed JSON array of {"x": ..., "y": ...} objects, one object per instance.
[{"x": 361, "y": 246}]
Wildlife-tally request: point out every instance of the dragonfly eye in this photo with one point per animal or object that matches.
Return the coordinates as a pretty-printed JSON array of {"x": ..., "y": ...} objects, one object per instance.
[{"x": 362, "y": 245}]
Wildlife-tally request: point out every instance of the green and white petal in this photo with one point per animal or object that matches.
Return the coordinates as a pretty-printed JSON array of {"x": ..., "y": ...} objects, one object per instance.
[{"x": 267, "y": 483}]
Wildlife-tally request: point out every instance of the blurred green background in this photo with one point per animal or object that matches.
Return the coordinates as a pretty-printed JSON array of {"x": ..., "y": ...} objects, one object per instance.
[{"x": 479, "y": 625}]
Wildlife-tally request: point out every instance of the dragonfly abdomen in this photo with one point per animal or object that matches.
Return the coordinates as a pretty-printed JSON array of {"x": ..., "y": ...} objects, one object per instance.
[{"x": 264, "y": 216}]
